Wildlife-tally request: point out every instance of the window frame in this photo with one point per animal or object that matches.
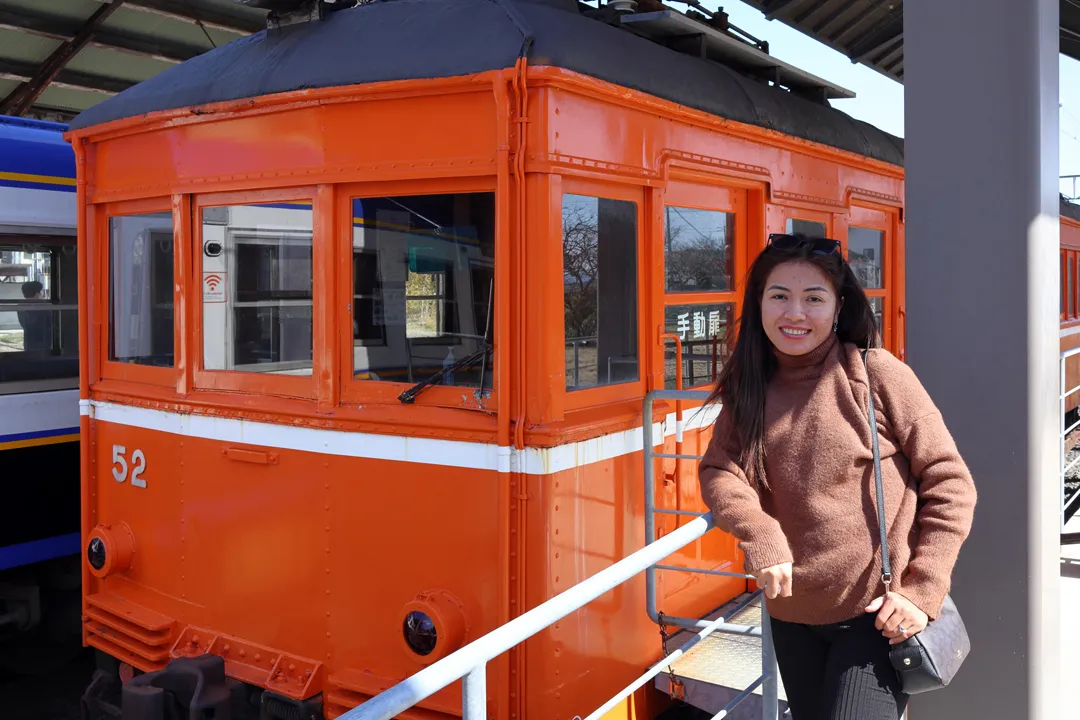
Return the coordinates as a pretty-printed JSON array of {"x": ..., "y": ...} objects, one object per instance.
[
  {"x": 304, "y": 386},
  {"x": 826, "y": 218},
  {"x": 111, "y": 369},
  {"x": 702, "y": 195},
  {"x": 880, "y": 219},
  {"x": 1071, "y": 283},
  {"x": 387, "y": 391},
  {"x": 607, "y": 190},
  {"x": 1069, "y": 267}
]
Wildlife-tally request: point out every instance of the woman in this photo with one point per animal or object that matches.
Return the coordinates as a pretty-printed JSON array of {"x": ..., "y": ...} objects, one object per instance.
[{"x": 789, "y": 472}]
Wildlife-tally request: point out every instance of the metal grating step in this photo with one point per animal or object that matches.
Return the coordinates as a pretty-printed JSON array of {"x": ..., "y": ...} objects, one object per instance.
[{"x": 722, "y": 665}]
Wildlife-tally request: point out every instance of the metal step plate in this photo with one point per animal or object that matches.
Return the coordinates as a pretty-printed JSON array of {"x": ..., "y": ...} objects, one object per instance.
[{"x": 722, "y": 665}]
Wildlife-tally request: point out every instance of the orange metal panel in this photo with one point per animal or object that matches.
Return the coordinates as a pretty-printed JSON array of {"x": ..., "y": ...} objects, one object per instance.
[{"x": 294, "y": 553}]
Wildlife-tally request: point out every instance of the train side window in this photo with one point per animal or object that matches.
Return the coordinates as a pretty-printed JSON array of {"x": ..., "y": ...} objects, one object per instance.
[
  {"x": 600, "y": 300},
  {"x": 1063, "y": 260},
  {"x": 141, "y": 289},
  {"x": 1070, "y": 291},
  {"x": 423, "y": 288},
  {"x": 39, "y": 333},
  {"x": 810, "y": 228},
  {"x": 698, "y": 254},
  {"x": 257, "y": 288}
]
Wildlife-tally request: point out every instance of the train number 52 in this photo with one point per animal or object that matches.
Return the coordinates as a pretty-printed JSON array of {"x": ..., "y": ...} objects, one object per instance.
[{"x": 120, "y": 466}]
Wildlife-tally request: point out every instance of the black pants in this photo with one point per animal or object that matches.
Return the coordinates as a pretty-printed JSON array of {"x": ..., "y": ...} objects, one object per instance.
[{"x": 838, "y": 672}]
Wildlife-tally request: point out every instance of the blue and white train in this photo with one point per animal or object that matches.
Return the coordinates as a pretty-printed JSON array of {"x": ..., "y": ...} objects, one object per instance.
[{"x": 39, "y": 367}]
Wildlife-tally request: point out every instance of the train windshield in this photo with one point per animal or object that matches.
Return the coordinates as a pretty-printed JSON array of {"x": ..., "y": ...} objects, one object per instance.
[
  {"x": 39, "y": 333},
  {"x": 424, "y": 289}
]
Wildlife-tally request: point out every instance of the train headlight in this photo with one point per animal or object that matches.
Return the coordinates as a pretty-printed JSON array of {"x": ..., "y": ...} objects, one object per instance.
[
  {"x": 95, "y": 553},
  {"x": 110, "y": 549},
  {"x": 420, "y": 633},
  {"x": 433, "y": 626}
]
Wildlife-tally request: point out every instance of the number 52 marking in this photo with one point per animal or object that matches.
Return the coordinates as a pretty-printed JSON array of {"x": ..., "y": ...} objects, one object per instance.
[{"x": 138, "y": 466}]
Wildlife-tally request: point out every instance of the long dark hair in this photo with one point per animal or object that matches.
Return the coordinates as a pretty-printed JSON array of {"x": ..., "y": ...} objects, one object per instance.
[{"x": 751, "y": 364}]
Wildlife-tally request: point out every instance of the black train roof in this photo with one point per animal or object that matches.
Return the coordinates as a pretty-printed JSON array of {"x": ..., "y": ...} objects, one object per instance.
[
  {"x": 413, "y": 39},
  {"x": 1069, "y": 209}
]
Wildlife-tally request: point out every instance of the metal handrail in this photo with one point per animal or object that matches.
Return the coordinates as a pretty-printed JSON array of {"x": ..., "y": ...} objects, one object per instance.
[
  {"x": 470, "y": 662},
  {"x": 1063, "y": 432},
  {"x": 649, "y": 450},
  {"x": 769, "y": 672}
]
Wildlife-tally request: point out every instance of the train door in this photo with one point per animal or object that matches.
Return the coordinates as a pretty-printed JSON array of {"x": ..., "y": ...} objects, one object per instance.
[
  {"x": 874, "y": 254},
  {"x": 703, "y": 252}
]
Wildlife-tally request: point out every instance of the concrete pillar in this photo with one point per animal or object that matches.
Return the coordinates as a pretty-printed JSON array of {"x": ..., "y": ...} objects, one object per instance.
[{"x": 981, "y": 93}]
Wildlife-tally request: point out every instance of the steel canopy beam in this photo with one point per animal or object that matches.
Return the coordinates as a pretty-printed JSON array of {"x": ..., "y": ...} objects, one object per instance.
[
  {"x": 774, "y": 8},
  {"x": 209, "y": 17},
  {"x": 24, "y": 96},
  {"x": 12, "y": 70},
  {"x": 61, "y": 28}
]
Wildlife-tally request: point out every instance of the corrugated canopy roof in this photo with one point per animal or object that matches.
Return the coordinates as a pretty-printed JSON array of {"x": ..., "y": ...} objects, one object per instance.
[
  {"x": 59, "y": 57},
  {"x": 871, "y": 32}
]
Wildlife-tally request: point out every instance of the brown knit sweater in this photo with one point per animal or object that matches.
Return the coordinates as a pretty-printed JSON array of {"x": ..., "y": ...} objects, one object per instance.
[{"x": 820, "y": 511}]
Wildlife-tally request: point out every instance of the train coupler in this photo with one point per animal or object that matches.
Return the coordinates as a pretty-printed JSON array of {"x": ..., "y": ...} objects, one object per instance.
[{"x": 194, "y": 688}]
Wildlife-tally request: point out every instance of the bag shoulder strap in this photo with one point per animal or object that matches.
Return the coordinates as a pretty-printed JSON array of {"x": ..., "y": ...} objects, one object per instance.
[{"x": 886, "y": 569}]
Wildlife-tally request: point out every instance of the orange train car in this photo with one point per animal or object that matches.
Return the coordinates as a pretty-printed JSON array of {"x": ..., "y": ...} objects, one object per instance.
[
  {"x": 369, "y": 305},
  {"x": 1070, "y": 302}
]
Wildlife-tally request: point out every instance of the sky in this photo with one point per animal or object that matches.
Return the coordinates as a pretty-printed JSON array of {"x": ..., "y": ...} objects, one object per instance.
[{"x": 879, "y": 100}]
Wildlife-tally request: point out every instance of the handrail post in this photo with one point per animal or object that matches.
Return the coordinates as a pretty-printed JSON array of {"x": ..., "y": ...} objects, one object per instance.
[
  {"x": 1061, "y": 425},
  {"x": 474, "y": 694},
  {"x": 648, "y": 445},
  {"x": 770, "y": 694}
]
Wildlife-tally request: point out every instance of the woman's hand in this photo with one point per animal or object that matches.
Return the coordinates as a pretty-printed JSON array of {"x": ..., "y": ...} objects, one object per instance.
[
  {"x": 776, "y": 580},
  {"x": 898, "y": 618}
]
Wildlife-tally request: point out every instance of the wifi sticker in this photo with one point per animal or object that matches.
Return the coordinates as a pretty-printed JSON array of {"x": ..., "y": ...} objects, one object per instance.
[{"x": 213, "y": 287}]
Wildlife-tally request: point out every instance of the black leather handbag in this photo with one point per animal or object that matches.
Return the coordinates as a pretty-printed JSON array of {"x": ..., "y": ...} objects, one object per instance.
[{"x": 929, "y": 659}]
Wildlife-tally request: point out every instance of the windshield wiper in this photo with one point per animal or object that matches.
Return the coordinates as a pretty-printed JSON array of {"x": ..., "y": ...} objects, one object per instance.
[{"x": 409, "y": 395}]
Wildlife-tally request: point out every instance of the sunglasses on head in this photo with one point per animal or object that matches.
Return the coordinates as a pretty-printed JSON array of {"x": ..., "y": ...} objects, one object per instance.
[{"x": 818, "y": 246}]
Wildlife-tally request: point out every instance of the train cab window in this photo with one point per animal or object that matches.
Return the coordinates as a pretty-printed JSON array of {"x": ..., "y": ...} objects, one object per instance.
[
  {"x": 257, "y": 288},
  {"x": 39, "y": 333},
  {"x": 600, "y": 291},
  {"x": 424, "y": 288},
  {"x": 806, "y": 227},
  {"x": 698, "y": 253},
  {"x": 141, "y": 289}
]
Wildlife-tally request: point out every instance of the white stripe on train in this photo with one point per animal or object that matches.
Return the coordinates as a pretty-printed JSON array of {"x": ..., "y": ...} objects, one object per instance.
[{"x": 430, "y": 451}]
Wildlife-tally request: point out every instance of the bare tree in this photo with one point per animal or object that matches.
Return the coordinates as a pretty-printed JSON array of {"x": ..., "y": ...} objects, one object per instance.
[{"x": 580, "y": 270}]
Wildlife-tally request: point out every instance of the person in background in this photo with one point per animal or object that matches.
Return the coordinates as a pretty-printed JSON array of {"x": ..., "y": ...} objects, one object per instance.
[{"x": 36, "y": 323}]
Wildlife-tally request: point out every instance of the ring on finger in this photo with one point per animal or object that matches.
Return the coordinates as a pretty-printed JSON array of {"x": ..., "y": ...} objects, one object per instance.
[{"x": 902, "y": 629}]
